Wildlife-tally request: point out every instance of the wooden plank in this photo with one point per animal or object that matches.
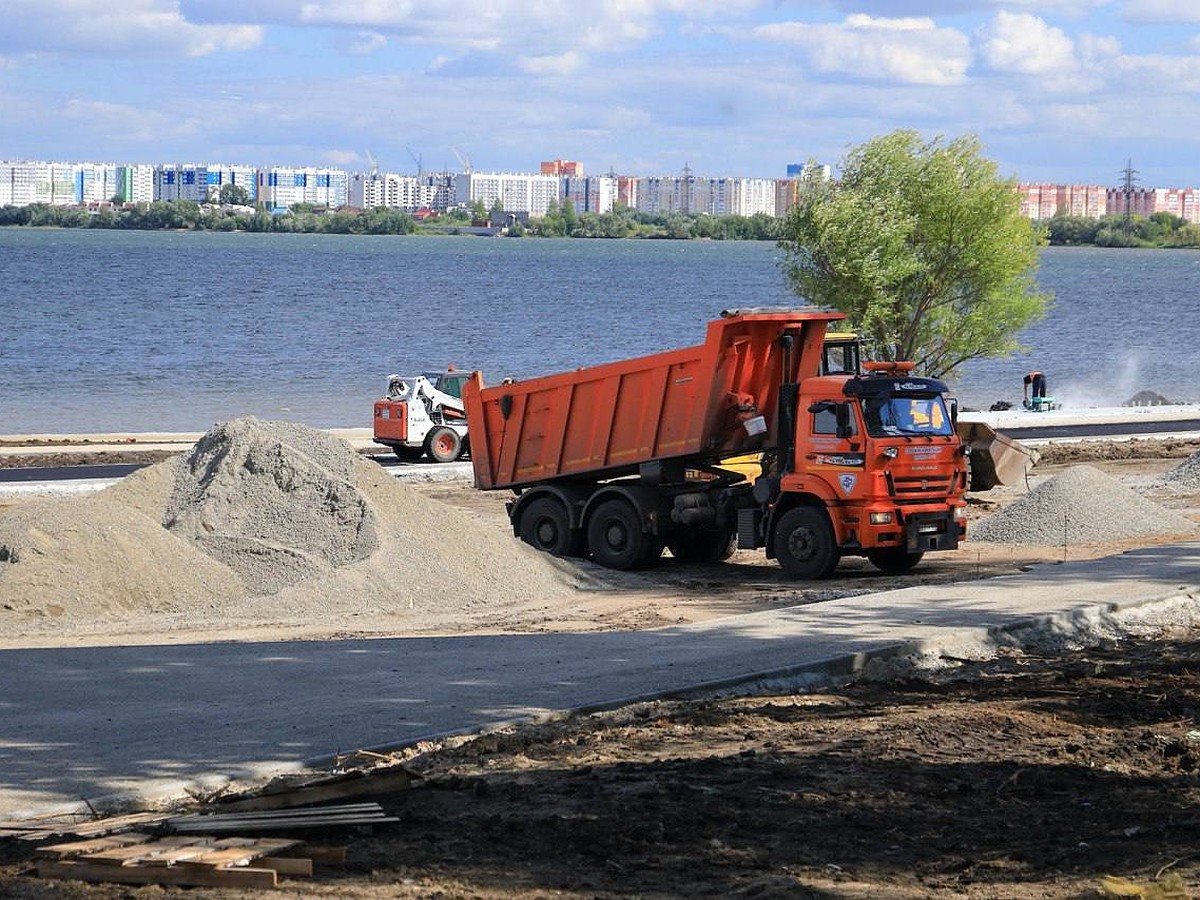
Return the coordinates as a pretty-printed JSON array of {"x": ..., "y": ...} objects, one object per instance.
[
  {"x": 92, "y": 845},
  {"x": 112, "y": 825},
  {"x": 323, "y": 855},
  {"x": 239, "y": 853},
  {"x": 286, "y": 865},
  {"x": 339, "y": 787},
  {"x": 181, "y": 876}
]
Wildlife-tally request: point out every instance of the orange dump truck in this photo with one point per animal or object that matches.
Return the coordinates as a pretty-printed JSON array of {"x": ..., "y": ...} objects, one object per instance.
[{"x": 619, "y": 460}]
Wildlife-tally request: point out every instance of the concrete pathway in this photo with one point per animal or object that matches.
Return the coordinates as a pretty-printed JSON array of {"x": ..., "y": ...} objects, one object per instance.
[{"x": 91, "y": 722}]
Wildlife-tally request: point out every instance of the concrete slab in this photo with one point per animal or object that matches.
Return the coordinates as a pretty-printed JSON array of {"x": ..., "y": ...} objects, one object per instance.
[{"x": 96, "y": 721}]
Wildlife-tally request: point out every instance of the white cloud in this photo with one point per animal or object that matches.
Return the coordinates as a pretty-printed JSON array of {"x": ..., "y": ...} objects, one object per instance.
[
  {"x": 1021, "y": 43},
  {"x": 1162, "y": 11},
  {"x": 509, "y": 25},
  {"x": 364, "y": 43},
  {"x": 563, "y": 64},
  {"x": 909, "y": 50},
  {"x": 140, "y": 28},
  {"x": 341, "y": 157}
]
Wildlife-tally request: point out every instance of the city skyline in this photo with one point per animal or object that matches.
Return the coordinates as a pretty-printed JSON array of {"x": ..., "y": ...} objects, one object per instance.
[{"x": 1059, "y": 91}]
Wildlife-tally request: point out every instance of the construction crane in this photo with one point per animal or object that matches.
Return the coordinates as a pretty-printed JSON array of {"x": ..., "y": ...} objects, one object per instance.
[
  {"x": 418, "y": 160},
  {"x": 374, "y": 164},
  {"x": 463, "y": 159}
]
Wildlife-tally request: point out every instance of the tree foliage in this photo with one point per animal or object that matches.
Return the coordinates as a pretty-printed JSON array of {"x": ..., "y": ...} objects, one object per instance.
[{"x": 923, "y": 246}]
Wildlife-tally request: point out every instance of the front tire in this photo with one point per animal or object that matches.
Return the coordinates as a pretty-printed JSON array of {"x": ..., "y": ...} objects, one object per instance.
[
  {"x": 408, "y": 454},
  {"x": 894, "y": 560},
  {"x": 444, "y": 444},
  {"x": 804, "y": 544},
  {"x": 546, "y": 526},
  {"x": 616, "y": 539}
]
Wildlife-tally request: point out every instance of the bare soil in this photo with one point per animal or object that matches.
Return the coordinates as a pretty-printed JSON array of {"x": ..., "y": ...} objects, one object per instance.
[{"x": 1025, "y": 777}]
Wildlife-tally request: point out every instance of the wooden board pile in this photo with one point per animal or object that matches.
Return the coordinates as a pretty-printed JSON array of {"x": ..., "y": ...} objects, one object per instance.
[
  {"x": 188, "y": 851},
  {"x": 184, "y": 860}
]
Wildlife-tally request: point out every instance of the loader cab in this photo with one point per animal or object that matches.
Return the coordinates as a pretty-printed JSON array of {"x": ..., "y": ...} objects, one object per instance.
[{"x": 449, "y": 382}]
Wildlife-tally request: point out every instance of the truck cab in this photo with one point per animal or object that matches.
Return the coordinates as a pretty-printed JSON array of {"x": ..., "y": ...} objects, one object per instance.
[{"x": 879, "y": 452}]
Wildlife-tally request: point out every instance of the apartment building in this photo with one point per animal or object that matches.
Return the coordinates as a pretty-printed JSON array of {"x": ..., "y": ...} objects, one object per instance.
[
  {"x": 282, "y": 187},
  {"x": 201, "y": 183},
  {"x": 594, "y": 194},
  {"x": 406, "y": 192},
  {"x": 24, "y": 182},
  {"x": 515, "y": 192},
  {"x": 135, "y": 183},
  {"x": 562, "y": 167},
  {"x": 1181, "y": 202}
]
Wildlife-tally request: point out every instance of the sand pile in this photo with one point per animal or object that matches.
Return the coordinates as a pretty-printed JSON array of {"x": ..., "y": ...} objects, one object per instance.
[
  {"x": 260, "y": 523},
  {"x": 1080, "y": 506},
  {"x": 275, "y": 502},
  {"x": 1184, "y": 478}
]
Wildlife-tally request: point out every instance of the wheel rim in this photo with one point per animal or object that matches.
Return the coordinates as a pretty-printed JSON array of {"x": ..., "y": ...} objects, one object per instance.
[
  {"x": 616, "y": 536},
  {"x": 802, "y": 544},
  {"x": 545, "y": 531},
  {"x": 444, "y": 445}
]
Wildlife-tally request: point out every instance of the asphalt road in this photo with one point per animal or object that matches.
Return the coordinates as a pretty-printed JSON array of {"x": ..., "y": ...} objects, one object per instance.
[{"x": 97, "y": 721}]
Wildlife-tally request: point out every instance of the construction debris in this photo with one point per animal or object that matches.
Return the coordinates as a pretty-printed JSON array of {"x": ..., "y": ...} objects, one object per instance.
[{"x": 280, "y": 820}]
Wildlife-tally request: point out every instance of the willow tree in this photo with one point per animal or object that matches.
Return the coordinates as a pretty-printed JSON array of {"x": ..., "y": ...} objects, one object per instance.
[{"x": 924, "y": 248}]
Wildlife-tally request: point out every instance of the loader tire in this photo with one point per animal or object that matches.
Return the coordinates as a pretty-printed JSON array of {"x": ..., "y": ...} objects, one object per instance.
[
  {"x": 444, "y": 444},
  {"x": 408, "y": 454}
]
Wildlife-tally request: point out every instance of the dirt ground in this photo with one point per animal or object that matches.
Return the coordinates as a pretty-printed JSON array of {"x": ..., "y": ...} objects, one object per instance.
[{"x": 1030, "y": 776}]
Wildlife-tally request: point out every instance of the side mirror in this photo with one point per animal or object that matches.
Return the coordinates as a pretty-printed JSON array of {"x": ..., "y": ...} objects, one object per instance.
[
  {"x": 954, "y": 412},
  {"x": 842, "y": 411}
]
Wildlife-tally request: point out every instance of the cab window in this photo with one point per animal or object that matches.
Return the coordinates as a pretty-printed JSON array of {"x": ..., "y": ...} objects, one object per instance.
[
  {"x": 919, "y": 416},
  {"x": 825, "y": 421},
  {"x": 452, "y": 385}
]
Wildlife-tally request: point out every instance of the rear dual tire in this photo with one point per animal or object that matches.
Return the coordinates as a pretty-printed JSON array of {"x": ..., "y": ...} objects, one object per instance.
[{"x": 616, "y": 538}]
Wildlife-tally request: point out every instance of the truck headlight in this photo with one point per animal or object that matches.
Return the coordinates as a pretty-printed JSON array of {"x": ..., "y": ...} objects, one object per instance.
[
  {"x": 891, "y": 452},
  {"x": 960, "y": 513},
  {"x": 884, "y": 518}
]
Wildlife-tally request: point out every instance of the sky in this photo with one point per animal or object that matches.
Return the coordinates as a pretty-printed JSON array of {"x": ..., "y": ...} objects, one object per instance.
[{"x": 1059, "y": 91}]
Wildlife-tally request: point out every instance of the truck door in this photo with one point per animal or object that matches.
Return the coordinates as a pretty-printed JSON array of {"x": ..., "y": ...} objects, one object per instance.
[{"x": 835, "y": 450}]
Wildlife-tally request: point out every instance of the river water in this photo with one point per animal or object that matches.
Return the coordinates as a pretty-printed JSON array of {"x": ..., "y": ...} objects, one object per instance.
[{"x": 149, "y": 331}]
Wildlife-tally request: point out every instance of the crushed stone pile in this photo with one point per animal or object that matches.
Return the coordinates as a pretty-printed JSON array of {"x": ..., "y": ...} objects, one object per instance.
[
  {"x": 1185, "y": 477},
  {"x": 1080, "y": 506},
  {"x": 263, "y": 523}
]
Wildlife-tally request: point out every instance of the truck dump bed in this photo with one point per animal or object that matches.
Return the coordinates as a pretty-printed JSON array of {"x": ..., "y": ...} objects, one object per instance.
[{"x": 700, "y": 403}]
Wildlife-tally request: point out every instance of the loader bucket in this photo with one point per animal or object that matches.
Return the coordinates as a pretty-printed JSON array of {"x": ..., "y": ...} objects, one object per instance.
[{"x": 995, "y": 458}]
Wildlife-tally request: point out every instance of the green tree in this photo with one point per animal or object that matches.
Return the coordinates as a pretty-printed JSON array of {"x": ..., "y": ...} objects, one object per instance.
[
  {"x": 234, "y": 194},
  {"x": 923, "y": 246}
]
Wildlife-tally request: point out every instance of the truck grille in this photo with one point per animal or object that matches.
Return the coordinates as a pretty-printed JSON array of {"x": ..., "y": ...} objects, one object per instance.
[{"x": 917, "y": 487}]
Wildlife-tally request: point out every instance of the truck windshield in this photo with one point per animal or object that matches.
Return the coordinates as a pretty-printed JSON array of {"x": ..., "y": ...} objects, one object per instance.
[{"x": 919, "y": 416}]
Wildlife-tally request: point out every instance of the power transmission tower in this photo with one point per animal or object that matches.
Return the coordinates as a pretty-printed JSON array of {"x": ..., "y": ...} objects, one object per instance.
[{"x": 1129, "y": 174}]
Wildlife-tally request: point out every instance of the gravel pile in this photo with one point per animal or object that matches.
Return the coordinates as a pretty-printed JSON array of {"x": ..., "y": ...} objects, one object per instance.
[
  {"x": 264, "y": 524},
  {"x": 1185, "y": 477},
  {"x": 1080, "y": 506}
]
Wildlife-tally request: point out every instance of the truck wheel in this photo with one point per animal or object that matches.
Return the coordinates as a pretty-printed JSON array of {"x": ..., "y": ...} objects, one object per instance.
[
  {"x": 546, "y": 526},
  {"x": 893, "y": 560},
  {"x": 694, "y": 545},
  {"x": 443, "y": 444},
  {"x": 408, "y": 454},
  {"x": 804, "y": 545},
  {"x": 616, "y": 539}
]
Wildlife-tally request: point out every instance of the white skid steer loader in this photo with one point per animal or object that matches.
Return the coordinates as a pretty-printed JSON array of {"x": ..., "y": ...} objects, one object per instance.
[{"x": 423, "y": 415}]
